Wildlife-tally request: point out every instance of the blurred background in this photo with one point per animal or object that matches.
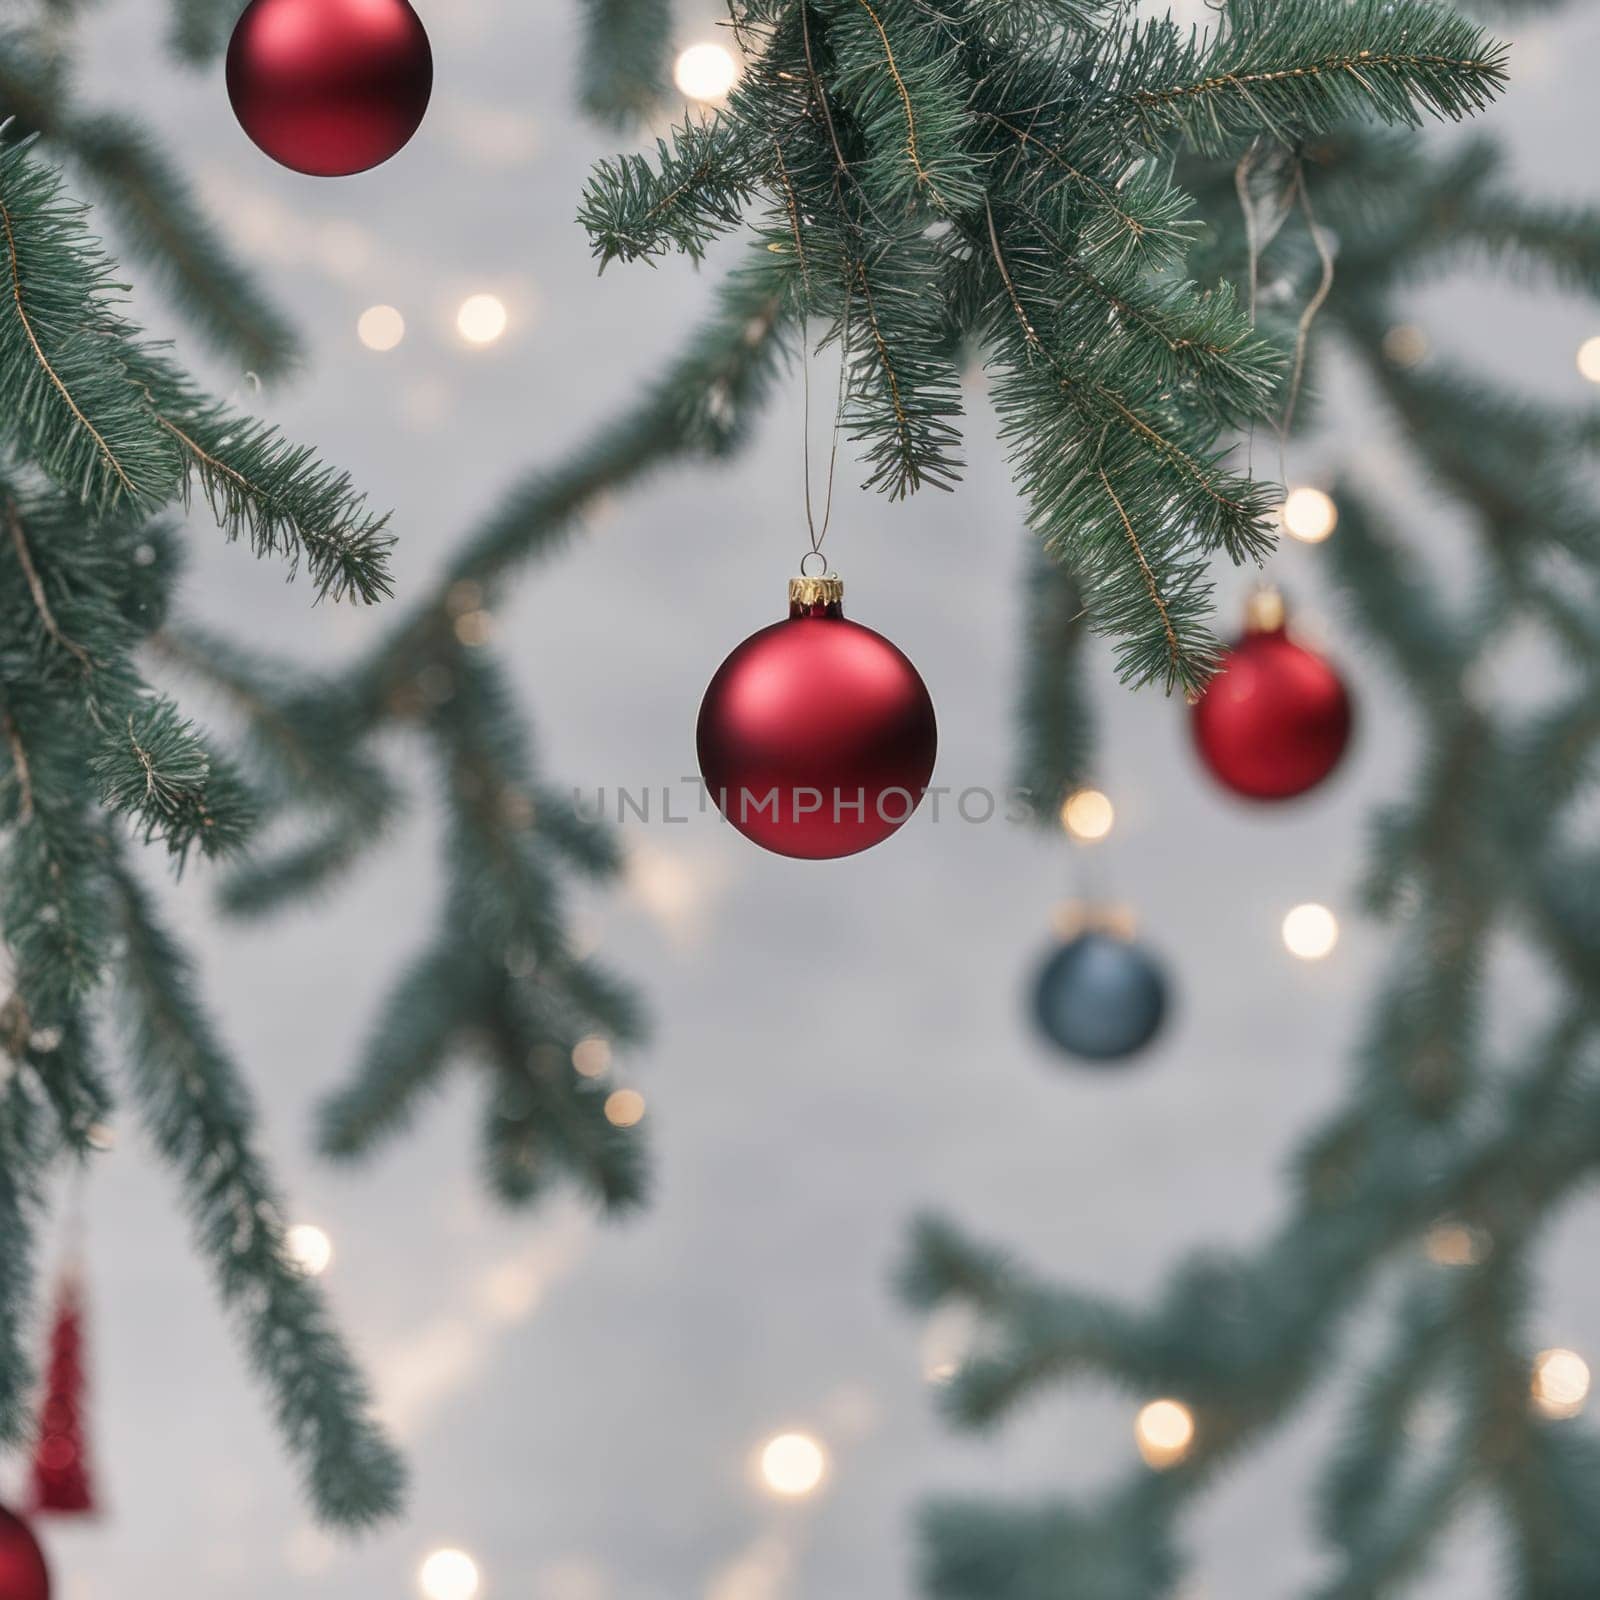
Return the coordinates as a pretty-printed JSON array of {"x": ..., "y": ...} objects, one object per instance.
[{"x": 586, "y": 1407}]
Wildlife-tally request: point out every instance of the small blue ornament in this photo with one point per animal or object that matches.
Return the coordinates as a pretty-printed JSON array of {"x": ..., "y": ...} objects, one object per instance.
[{"x": 1100, "y": 997}]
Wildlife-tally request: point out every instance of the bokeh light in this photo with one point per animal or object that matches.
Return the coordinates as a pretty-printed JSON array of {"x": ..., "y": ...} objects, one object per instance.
[
  {"x": 705, "y": 72},
  {"x": 448, "y": 1575},
  {"x": 309, "y": 1248},
  {"x": 1560, "y": 1382},
  {"x": 1405, "y": 345},
  {"x": 1088, "y": 815},
  {"x": 1164, "y": 1431},
  {"x": 481, "y": 318},
  {"x": 1589, "y": 359},
  {"x": 1309, "y": 515},
  {"x": 624, "y": 1108},
  {"x": 793, "y": 1464},
  {"x": 591, "y": 1057},
  {"x": 1310, "y": 932},
  {"x": 380, "y": 327}
]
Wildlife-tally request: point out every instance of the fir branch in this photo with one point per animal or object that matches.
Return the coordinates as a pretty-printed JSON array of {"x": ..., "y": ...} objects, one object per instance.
[
  {"x": 161, "y": 225},
  {"x": 156, "y": 769},
  {"x": 62, "y": 381},
  {"x": 199, "y": 1117},
  {"x": 623, "y": 59},
  {"x": 635, "y": 209},
  {"x": 276, "y": 495},
  {"x": 404, "y": 1059},
  {"x": 1294, "y": 72}
]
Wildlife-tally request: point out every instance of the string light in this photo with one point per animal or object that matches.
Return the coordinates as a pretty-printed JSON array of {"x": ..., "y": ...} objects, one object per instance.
[
  {"x": 1309, "y": 515},
  {"x": 1589, "y": 359},
  {"x": 591, "y": 1057},
  {"x": 624, "y": 1108},
  {"x": 1310, "y": 932},
  {"x": 448, "y": 1575},
  {"x": 380, "y": 327},
  {"x": 1164, "y": 1431},
  {"x": 793, "y": 1465},
  {"x": 481, "y": 318},
  {"x": 1560, "y": 1382},
  {"x": 1088, "y": 815},
  {"x": 705, "y": 72},
  {"x": 309, "y": 1248}
]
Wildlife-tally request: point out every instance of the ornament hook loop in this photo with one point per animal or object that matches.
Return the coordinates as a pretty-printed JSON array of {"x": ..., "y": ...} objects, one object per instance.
[{"x": 822, "y": 573}]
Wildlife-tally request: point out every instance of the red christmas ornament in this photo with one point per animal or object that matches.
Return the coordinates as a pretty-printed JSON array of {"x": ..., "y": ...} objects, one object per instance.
[
  {"x": 1275, "y": 720},
  {"x": 817, "y": 736},
  {"x": 62, "y": 1482},
  {"x": 23, "y": 1574},
  {"x": 329, "y": 87}
]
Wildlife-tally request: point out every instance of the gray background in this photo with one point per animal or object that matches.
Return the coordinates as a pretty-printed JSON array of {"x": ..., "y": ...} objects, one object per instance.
[{"x": 838, "y": 1045}]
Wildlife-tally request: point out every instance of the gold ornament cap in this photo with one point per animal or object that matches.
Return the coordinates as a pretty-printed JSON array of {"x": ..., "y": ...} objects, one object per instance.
[
  {"x": 1265, "y": 611},
  {"x": 827, "y": 590}
]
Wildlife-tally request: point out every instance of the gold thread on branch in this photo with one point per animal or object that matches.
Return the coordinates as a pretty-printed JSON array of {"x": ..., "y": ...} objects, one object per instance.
[
  {"x": 905, "y": 96},
  {"x": 1174, "y": 649},
  {"x": 902, "y": 421},
  {"x": 1343, "y": 63}
]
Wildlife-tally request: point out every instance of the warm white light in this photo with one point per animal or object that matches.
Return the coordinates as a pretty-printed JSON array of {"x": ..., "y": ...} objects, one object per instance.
[
  {"x": 1310, "y": 932},
  {"x": 793, "y": 1464},
  {"x": 380, "y": 327},
  {"x": 1589, "y": 359},
  {"x": 1454, "y": 1244},
  {"x": 1164, "y": 1430},
  {"x": 591, "y": 1057},
  {"x": 481, "y": 318},
  {"x": 705, "y": 72},
  {"x": 448, "y": 1575},
  {"x": 1560, "y": 1382},
  {"x": 624, "y": 1108},
  {"x": 1309, "y": 515},
  {"x": 1406, "y": 345},
  {"x": 1088, "y": 815},
  {"x": 309, "y": 1248}
]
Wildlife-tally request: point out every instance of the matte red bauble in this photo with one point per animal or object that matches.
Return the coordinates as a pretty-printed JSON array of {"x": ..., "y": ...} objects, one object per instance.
[
  {"x": 817, "y": 736},
  {"x": 1275, "y": 720},
  {"x": 23, "y": 1574},
  {"x": 329, "y": 87}
]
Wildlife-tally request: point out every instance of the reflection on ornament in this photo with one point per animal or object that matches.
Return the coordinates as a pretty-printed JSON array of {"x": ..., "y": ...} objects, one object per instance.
[
  {"x": 1164, "y": 1432},
  {"x": 793, "y": 1464},
  {"x": 1275, "y": 720},
  {"x": 23, "y": 1574},
  {"x": 1100, "y": 996},
  {"x": 329, "y": 87},
  {"x": 817, "y": 737}
]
